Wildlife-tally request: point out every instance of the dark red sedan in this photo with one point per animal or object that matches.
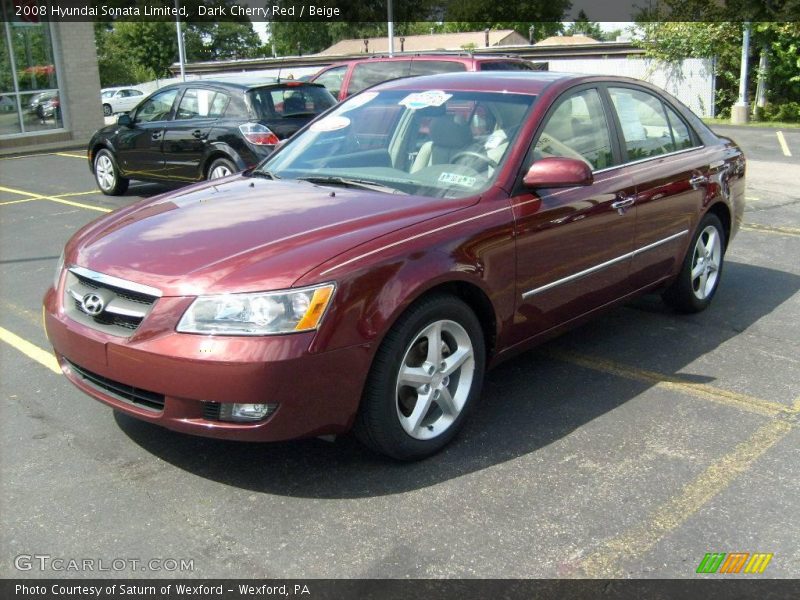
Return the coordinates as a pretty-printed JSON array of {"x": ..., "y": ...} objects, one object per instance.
[{"x": 367, "y": 273}]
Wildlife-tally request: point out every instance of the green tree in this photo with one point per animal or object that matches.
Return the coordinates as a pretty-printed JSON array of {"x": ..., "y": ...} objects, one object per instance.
[
  {"x": 221, "y": 40},
  {"x": 151, "y": 44},
  {"x": 583, "y": 26},
  {"x": 722, "y": 41}
]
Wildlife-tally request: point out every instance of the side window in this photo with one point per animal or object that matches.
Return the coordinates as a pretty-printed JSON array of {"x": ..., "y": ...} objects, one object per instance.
[
  {"x": 332, "y": 79},
  {"x": 196, "y": 103},
  {"x": 156, "y": 108},
  {"x": 366, "y": 74},
  {"x": 237, "y": 109},
  {"x": 644, "y": 123},
  {"x": 218, "y": 105},
  {"x": 681, "y": 138},
  {"x": 578, "y": 129}
]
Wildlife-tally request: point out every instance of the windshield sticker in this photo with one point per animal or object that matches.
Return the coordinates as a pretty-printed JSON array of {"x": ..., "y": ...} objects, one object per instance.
[
  {"x": 332, "y": 123},
  {"x": 457, "y": 179},
  {"x": 419, "y": 100},
  {"x": 358, "y": 101}
]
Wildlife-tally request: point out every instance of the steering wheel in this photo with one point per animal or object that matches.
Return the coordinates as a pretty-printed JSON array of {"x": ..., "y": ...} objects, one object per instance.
[{"x": 474, "y": 155}]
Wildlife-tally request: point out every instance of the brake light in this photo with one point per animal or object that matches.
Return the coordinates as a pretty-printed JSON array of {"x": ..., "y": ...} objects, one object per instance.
[{"x": 258, "y": 134}]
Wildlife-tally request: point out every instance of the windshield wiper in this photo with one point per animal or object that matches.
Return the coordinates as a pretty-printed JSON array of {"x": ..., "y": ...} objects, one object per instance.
[
  {"x": 351, "y": 183},
  {"x": 264, "y": 174}
]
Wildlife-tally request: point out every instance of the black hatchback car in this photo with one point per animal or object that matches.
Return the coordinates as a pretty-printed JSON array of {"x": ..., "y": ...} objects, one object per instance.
[{"x": 202, "y": 130}]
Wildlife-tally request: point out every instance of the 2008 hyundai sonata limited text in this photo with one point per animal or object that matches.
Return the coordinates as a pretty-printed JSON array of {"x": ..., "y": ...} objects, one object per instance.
[{"x": 368, "y": 272}]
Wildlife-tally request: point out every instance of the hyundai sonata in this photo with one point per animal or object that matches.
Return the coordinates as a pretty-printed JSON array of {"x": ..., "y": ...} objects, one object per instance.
[{"x": 368, "y": 273}]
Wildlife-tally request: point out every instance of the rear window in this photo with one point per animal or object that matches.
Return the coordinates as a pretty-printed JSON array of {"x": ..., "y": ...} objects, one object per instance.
[
  {"x": 369, "y": 73},
  {"x": 429, "y": 67},
  {"x": 290, "y": 101},
  {"x": 506, "y": 65}
]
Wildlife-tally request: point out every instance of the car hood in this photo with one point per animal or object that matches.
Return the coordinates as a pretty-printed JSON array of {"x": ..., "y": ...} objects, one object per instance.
[{"x": 242, "y": 234}]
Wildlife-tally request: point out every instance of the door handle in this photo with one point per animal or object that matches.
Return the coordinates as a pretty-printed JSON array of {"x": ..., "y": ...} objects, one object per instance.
[
  {"x": 155, "y": 136},
  {"x": 698, "y": 180},
  {"x": 199, "y": 134},
  {"x": 621, "y": 205}
]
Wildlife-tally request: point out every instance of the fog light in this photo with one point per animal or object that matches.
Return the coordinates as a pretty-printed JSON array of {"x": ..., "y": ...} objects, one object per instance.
[{"x": 245, "y": 412}]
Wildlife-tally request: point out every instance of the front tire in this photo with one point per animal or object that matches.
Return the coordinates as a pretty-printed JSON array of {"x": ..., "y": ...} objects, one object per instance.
[
  {"x": 106, "y": 174},
  {"x": 107, "y": 110},
  {"x": 426, "y": 377},
  {"x": 700, "y": 274}
]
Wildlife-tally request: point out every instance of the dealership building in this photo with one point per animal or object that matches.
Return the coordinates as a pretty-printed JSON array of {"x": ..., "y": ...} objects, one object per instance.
[{"x": 49, "y": 83}]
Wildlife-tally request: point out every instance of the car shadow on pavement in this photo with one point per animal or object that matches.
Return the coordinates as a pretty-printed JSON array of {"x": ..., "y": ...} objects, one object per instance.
[{"x": 528, "y": 402}]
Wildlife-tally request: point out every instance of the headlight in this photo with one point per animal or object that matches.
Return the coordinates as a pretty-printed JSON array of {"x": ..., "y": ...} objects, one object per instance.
[
  {"x": 59, "y": 268},
  {"x": 263, "y": 313}
]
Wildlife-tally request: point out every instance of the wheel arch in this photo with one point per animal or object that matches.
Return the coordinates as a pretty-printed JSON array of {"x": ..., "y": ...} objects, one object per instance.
[
  {"x": 474, "y": 297},
  {"x": 723, "y": 213},
  {"x": 96, "y": 147}
]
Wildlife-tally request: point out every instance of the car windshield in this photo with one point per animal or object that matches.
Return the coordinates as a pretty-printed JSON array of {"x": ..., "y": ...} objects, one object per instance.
[
  {"x": 445, "y": 144},
  {"x": 109, "y": 93},
  {"x": 291, "y": 101}
]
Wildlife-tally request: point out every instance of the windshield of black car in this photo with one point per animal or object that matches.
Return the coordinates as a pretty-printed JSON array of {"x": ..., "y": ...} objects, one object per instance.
[
  {"x": 290, "y": 101},
  {"x": 446, "y": 144}
]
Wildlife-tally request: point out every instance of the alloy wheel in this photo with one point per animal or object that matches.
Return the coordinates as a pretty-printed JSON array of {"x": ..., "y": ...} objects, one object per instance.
[{"x": 435, "y": 379}]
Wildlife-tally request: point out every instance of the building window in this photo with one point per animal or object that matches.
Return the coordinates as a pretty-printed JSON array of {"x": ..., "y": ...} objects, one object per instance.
[{"x": 29, "y": 95}]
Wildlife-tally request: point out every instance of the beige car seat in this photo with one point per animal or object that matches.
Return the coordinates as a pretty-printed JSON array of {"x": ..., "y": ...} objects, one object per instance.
[{"x": 448, "y": 138}]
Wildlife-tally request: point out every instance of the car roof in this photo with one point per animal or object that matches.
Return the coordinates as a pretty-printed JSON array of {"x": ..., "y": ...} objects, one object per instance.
[
  {"x": 519, "y": 82},
  {"x": 444, "y": 55},
  {"x": 248, "y": 83}
]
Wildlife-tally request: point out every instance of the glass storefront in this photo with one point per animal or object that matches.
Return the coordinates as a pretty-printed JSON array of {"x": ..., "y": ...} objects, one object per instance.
[{"x": 29, "y": 95}]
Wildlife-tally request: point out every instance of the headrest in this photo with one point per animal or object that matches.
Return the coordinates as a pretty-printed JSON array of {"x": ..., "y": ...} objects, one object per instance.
[{"x": 449, "y": 134}]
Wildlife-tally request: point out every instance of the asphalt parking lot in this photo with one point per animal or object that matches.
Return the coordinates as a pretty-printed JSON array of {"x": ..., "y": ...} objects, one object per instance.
[{"x": 630, "y": 447}]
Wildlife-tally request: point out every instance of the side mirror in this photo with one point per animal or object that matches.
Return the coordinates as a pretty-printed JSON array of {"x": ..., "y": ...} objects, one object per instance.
[
  {"x": 558, "y": 171},
  {"x": 124, "y": 121}
]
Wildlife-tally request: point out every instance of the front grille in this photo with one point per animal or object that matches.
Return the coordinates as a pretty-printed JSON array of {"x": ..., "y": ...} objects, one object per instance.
[
  {"x": 123, "y": 308},
  {"x": 211, "y": 411},
  {"x": 122, "y": 391}
]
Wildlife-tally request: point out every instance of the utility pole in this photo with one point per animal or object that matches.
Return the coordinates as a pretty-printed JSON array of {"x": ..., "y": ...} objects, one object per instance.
[
  {"x": 390, "y": 18},
  {"x": 181, "y": 56},
  {"x": 740, "y": 111}
]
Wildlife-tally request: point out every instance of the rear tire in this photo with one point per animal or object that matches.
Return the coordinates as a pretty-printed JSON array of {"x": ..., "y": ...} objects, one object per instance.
[
  {"x": 106, "y": 174},
  {"x": 424, "y": 381},
  {"x": 222, "y": 167},
  {"x": 701, "y": 272}
]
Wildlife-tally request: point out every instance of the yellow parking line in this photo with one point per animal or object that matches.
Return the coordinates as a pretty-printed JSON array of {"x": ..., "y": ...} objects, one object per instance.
[
  {"x": 18, "y": 201},
  {"x": 30, "y": 350},
  {"x": 78, "y": 204},
  {"x": 670, "y": 382},
  {"x": 605, "y": 561},
  {"x": 33, "y": 196},
  {"x": 782, "y": 142},
  {"x": 76, "y": 194},
  {"x": 778, "y": 230},
  {"x": 38, "y": 154}
]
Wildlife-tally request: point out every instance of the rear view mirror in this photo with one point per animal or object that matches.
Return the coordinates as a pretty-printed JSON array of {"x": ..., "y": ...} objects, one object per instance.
[
  {"x": 558, "y": 171},
  {"x": 124, "y": 121}
]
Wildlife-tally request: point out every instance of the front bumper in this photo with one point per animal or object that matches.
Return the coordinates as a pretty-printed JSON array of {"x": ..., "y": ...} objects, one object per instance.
[{"x": 316, "y": 393}]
